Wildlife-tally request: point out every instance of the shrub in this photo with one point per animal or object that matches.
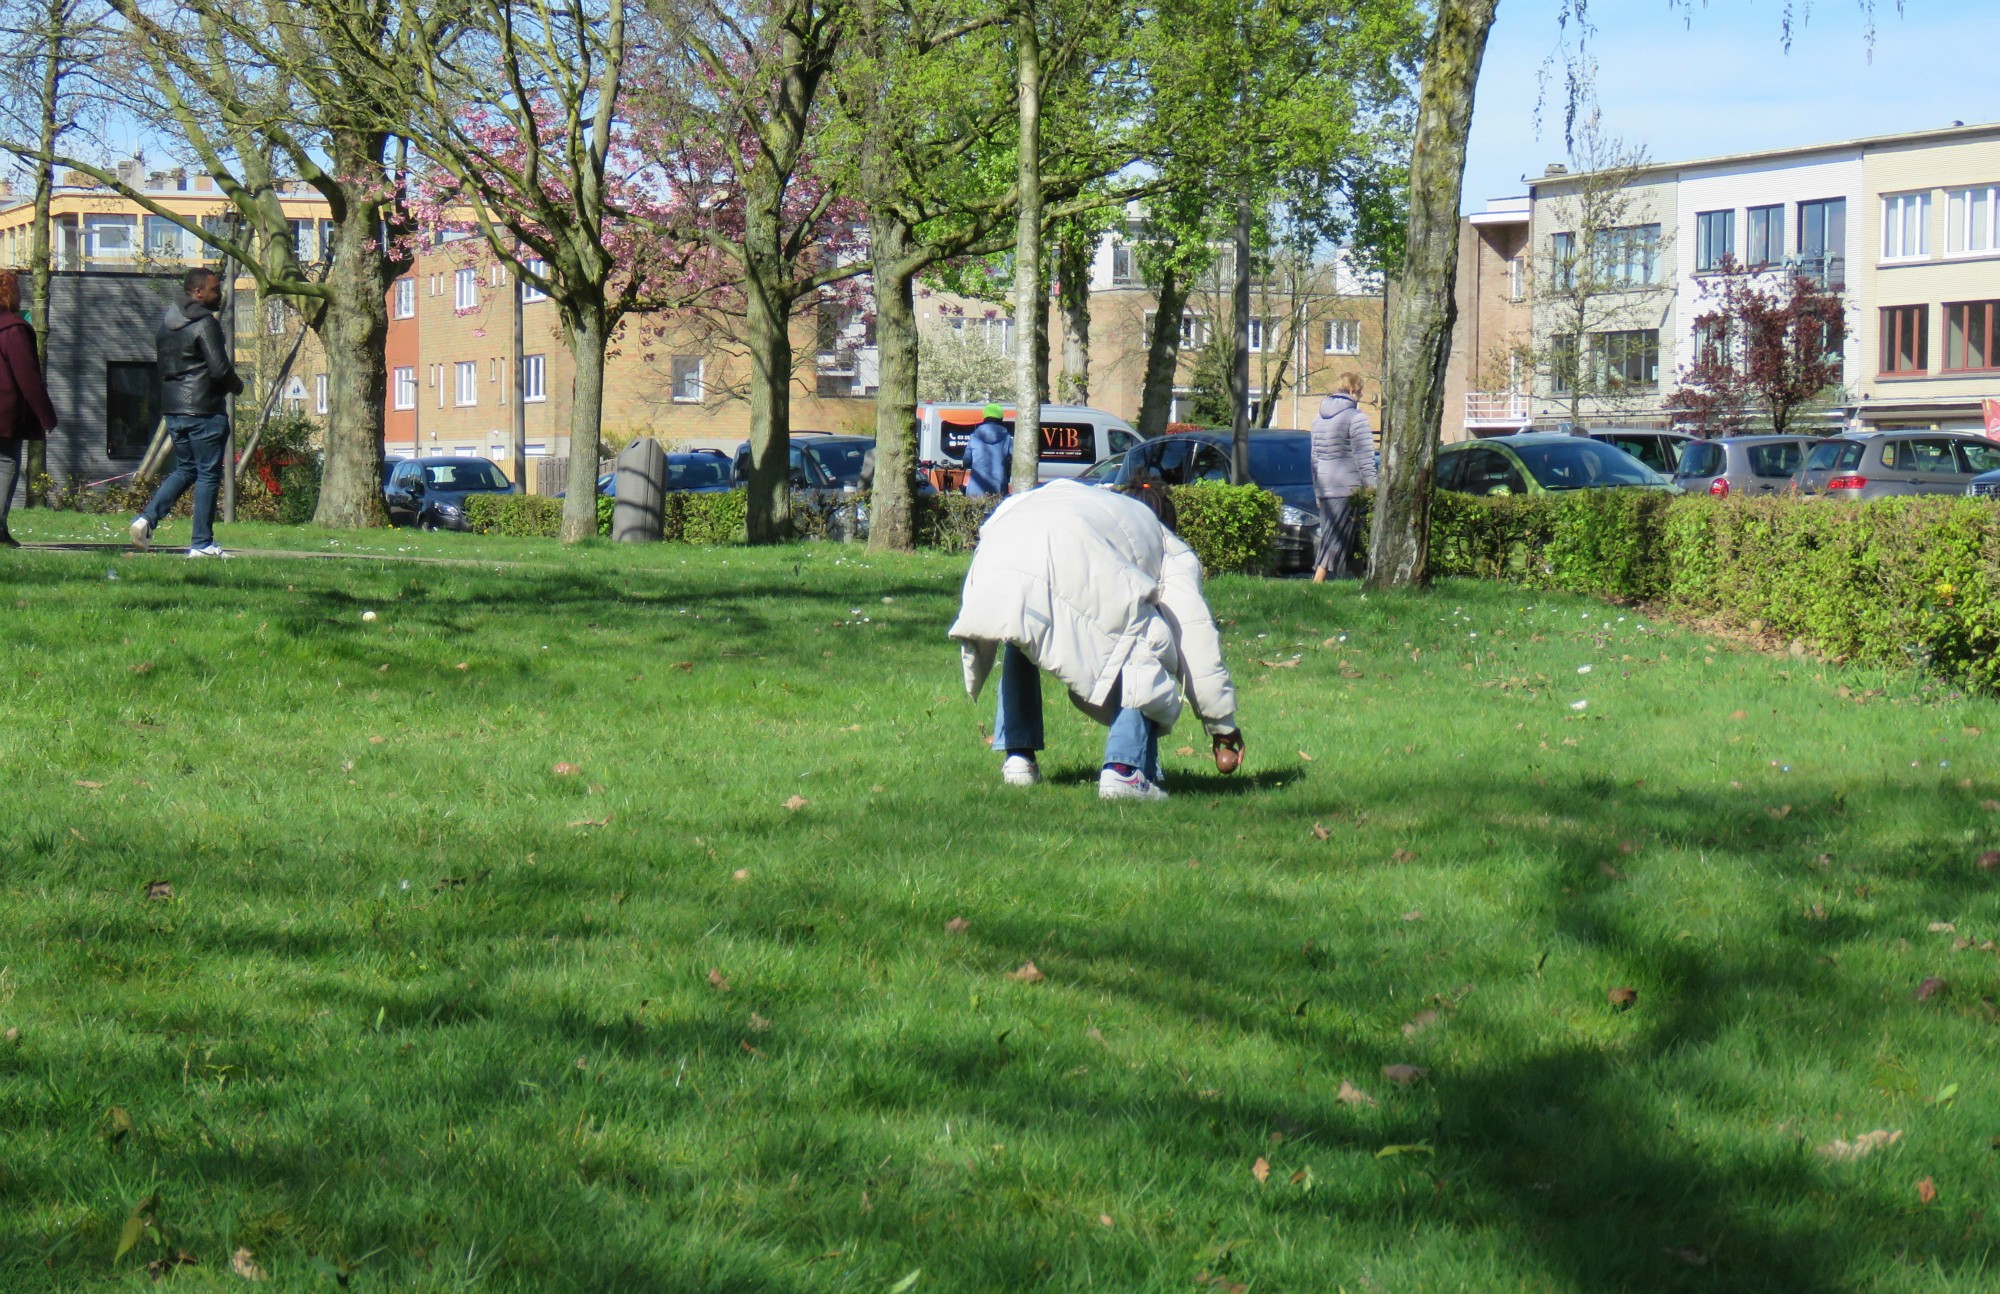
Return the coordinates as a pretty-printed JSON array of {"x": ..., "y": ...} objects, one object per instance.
[
  {"x": 1230, "y": 527},
  {"x": 604, "y": 508},
  {"x": 719, "y": 518},
  {"x": 524, "y": 516},
  {"x": 950, "y": 522}
]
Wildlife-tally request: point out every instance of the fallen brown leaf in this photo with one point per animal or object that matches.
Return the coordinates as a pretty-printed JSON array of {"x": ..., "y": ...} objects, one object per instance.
[
  {"x": 1349, "y": 1094},
  {"x": 1624, "y": 999},
  {"x": 1307, "y": 758},
  {"x": 12, "y": 1036},
  {"x": 1419, "y": 1022},
  {"x": 684, "y": 666},
  {"x": 758, "y": 1024},
  {"x": 1990, "y": 861},
  {"x": 1413, "y": 914},
  {"x": 464, "y": 664},
  {"x": 1930, "y": 988},
  {"x": 1627, "y": 847},
  {"x": 1320, "y": 832},
  {"x": 716, "y": 981},
  {"x": 797, "y": 802},
  {"x": 1926, "y": 1191},
  {"x": 159, "y": 891},
  {"x": 592, "y": 822},
  {"x": 1104, "y": 1219},
  {"x": 1991, "y": 806},
  {"x": 376, "y": 741},
  {"x": 1611, "y": 871},
  {"x": 246, "y": 1266},
  {"x": 566, "y": 770},
  {"x": 740, "y": 874},
  {"x": 1029, "y": 973},
  {"x": 143, "y": 667},
  {"x": 1096, "y": 1035},
  {"x": 1403, "y": 1075},
  {"x": 1261, "y": 1170},
  {"x": 1739, "y": 714},
  {"x": 957, "y": 925},
  {"x": 1184, "y": 751},
  {"x": 1280, "y": 664},
  {"x": 1781, "y": 812},
  {"x": 1865, "y": 1144},
  {"x": 1403, "y": 856},
  {"x": 1942, "y": 928},
  {"x": 90, "y": 786}
]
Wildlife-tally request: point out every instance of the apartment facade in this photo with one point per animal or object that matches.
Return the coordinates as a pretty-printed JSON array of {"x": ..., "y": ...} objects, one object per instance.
[
  {"x": 1487, "y": 376},
  {"x": 1906, "y": 226}
]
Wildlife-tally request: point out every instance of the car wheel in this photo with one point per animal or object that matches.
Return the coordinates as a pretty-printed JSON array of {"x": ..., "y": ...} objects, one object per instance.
[{"x": 428, "y": 523}]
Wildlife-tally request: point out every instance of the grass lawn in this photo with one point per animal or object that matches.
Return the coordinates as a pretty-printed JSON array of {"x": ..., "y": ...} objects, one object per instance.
[{"x": 728, "y": 1007}]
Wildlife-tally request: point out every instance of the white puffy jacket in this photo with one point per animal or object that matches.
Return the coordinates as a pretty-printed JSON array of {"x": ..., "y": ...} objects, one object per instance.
[{"x": 1096, "y": 591}]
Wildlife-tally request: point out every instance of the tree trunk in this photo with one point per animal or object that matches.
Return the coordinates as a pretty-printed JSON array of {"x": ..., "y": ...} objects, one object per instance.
[
  {"x": 1074, "y": 300},
  {"x": 1424, "y": 308},
  {"x": 1163, "y": 356},
  {"x": 891, "y": 525},
  {"x": 1239, "y": 367},
  {"x": 770, "y": 345},
  {"x": 353, "y": 327},
  {"x": 41, "y": 249},
  {"x": 588, "y": 336},
  {"x": 1031, "y": 371}
]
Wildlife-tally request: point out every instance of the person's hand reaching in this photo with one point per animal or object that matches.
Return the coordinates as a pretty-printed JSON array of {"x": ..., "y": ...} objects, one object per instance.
[{"x": 1228, "y": 751}]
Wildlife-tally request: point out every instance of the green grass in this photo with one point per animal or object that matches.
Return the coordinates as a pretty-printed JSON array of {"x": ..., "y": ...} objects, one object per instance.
[{"x": 421, "y": 1004}]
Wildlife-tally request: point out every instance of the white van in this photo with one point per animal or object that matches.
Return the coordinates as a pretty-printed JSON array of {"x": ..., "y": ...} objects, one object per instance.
[{"x": 1074, "y": 437}]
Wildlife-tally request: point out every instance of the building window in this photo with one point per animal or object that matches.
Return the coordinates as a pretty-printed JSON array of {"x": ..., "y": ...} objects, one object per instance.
[
  {"x": 1517, "y": 274},
  {"x": 1968, "y": 335},
  {"x": 109, "y": 237},
  {"x": 1627, "y": 359},
  {"x": 1260, "y": 332},
  {"x": 1194, "y": 330},
  {"x": 1343, "y": 336},
  {"x": 465, "y": 290},
  {"x": 1629, "y": 257},
  {"x": 1767, "y": 237},
  {"x": 534, "y": 379},
  {"x": 1905, "y": 338},
  {"x": 1906, "y": 226},
  {"x": 165, "y": 240},
  {"x": 274, "y": 316},
  {"x": 529, "y": 292},
  {"x": 1969, "y": 216},
  {"x": 1714, "y": 240},
  {"x": 403, "y": 382},
  {"x": 319, "y": 394},
  {"x": 687, "y": 379},
  {"x": 1711, "y": 343},
  {"x": 406, "y": 299},
  {"x": 305, "y": 245},
  {"x": 1823, "y": 241},
  {"x": 468, "y": 383},
  {"x": 1562, "y": 362},
  {"x": 996, "y": 331},
  {"x": 1121, "y": 264},
  {"x": 1562, "y": 257}
]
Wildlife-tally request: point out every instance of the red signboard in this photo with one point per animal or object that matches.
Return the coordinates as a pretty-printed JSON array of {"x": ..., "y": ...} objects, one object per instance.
[{"x": 1991, "y": 408}]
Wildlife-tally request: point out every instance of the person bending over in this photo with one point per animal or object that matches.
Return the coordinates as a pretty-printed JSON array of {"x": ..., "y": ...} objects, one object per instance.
[{"x": 1093, "y": 586}]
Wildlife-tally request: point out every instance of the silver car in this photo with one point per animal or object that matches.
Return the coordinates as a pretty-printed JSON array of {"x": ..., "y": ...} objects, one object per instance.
[
  {"x": 1741, "y": 465},
  {"x": 1883, "y": 465}
]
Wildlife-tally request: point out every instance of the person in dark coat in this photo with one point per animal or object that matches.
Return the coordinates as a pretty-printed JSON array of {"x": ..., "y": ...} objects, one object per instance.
[
  {"x": 25, "y": 411},
  {"x": 1343, "y": 461},
  {"x": 989, "y": 455},
  {"x": 197, "y": 377}
]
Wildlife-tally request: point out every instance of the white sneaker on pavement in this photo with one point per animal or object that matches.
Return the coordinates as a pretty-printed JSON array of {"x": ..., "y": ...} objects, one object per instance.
[
  {"x": 207, "y": 550},
  {"x": 1021, "y": 770},
  {"x": 142, "y": 533},
  {"x": 1114, "y": 785}
]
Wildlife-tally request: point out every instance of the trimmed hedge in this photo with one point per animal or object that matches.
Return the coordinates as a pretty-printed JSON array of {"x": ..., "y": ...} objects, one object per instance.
[
  {"x": 1230, "y": 527},
  {"x": 721, "y": 518},
  {"x": 524, "y": 516},
  {"x": 1892, "y": 582}
]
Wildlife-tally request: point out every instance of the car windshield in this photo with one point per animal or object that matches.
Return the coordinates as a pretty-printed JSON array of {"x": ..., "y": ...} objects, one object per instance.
[
  {"x": 1280, "y": 460},
  {"x": 1829, "y": 454},
  {"x": 1105, "y": 472},
  {"x": 696, "y": 471},
  {"x": 1582, "y": 464},
  {"x": 842, "y": 459},
  {"x": 463, "y": 476}
]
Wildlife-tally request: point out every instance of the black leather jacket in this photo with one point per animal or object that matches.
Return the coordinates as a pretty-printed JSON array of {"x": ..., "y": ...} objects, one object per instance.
[{"x": 196, "y": 371}]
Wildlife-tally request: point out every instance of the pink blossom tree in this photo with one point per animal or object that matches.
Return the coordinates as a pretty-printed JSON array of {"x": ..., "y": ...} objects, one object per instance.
[{"x": 1766, "y": 344}]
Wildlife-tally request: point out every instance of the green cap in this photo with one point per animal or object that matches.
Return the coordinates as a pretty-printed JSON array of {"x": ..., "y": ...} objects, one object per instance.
[{"x": 995, "y": 411}]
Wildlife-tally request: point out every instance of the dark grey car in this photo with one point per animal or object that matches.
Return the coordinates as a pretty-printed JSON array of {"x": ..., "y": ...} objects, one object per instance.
[
  {"x": 1885, "y": 465},
  {"x": 1742, "y": 464}
]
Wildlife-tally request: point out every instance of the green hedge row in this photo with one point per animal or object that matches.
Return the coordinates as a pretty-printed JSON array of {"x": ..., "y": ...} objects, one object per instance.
[{"x": 1896, "y": 582}]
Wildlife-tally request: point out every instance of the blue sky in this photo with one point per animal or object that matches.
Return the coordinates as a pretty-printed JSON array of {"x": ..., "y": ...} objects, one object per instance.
[{"x": 1703, "y": 80}]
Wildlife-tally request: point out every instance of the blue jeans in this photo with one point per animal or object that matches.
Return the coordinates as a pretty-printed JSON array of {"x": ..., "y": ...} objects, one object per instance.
[
  {"x": 1133, "y": 739},
  {"x": 198, "y": 451}
]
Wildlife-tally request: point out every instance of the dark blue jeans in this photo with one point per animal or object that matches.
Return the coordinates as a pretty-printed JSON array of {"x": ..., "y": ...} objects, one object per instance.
[
  {"x": 1132, "y": 740},
  {"x": 198, "y": 451}
]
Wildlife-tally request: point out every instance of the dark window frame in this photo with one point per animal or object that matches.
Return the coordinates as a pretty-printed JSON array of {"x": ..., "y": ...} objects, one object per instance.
[
  {"x": 1901, "y": 325},
  {"x": 1708, "y": 258},
  {"x": 1958, "y": 344}
]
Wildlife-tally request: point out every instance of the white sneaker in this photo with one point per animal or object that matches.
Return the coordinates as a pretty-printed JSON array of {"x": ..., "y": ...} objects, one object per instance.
[
  {"x": 142, "y": 533},
  {"x": 207, "y": 550},
  {"x": 1114, "y": 785},
  {"x": 1021, "y": 770}
]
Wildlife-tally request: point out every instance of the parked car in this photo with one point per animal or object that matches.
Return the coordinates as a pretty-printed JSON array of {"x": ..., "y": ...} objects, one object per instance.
[
  {"x": 1105, "y": 472},
  {"x": 1888, "y": 464},
  {"x": 695, "y": 471},
  {"x": 430, "y": 493},
  {"x": 1742, "y": 464},
  {"x": 1074, "y": 436},
  {"x": 1280, "y": 461},
  {"x": 1541, "y": 462},
  {"x": 1659, "y": 450},
  {"x": 807, "y": 472},
  {"x": 1983, "y": 486},
  {"x": 840, "y": 458}
]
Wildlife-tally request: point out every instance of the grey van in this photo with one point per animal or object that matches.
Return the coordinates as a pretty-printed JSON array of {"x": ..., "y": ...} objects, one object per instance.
[
  {"x": 1883, "y": 465},
  {"x": 1741, "y": 464}
]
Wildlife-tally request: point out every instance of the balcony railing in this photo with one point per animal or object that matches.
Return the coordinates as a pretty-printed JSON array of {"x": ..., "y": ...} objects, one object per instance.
[{"x": 1495, "y": 408}]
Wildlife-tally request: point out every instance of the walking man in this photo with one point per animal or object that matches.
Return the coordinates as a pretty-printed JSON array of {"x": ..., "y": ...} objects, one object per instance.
[
  {"x": 197, "y": 376},
  {"x": 989, "y": 455}
]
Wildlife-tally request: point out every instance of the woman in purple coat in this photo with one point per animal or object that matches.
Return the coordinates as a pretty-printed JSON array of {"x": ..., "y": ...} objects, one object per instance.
[{"x": 25, "y": 411}]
